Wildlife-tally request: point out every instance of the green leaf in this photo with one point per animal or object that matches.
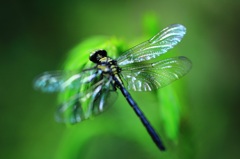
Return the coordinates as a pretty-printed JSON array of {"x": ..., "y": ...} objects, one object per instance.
[{"x": 77, "y": 59}]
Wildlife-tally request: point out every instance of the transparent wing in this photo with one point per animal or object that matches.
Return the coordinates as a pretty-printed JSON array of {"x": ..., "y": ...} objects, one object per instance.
[
  {"x": 157, "y": 45},
  {"x": 148, "y": 77},
  {"x": 93, "y": 101},
  {"x": 57, "y": 81}
]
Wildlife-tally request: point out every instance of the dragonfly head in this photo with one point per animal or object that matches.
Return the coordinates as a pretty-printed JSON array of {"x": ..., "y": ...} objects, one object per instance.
[{"x": 97, "y": 55}]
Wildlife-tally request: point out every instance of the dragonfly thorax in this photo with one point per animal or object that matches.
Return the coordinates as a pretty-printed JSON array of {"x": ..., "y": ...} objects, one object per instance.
[{"x": 104, "y": 63}]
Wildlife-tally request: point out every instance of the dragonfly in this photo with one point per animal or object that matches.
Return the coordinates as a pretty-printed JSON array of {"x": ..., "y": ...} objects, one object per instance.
[{"x": 94, "y": 89}]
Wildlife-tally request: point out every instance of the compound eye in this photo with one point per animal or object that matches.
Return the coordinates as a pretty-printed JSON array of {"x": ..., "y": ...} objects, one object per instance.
[
  {"x": 97, "y": 55},
  {"x": 103, "y": 53}
]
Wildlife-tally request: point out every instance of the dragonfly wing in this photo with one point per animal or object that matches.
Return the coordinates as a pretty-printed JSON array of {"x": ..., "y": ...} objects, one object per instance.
[
  {"x": 88, "y": 103},
  {"x": 151, "y": 76},
  {"x": 105, "y": 98},
  {"x": 57, "y": 81},
  {"x": 154, "y": 47}
]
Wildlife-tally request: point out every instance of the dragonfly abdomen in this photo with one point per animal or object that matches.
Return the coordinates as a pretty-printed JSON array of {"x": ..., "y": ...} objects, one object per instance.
[{"x": 143, "y": 119}]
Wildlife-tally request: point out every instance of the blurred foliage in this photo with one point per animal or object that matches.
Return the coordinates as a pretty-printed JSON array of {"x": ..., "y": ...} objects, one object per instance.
[{"x": 202, "y": 120}]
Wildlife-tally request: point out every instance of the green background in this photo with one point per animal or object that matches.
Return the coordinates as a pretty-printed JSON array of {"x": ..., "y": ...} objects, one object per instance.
[{"x": 36, "y": 36}]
